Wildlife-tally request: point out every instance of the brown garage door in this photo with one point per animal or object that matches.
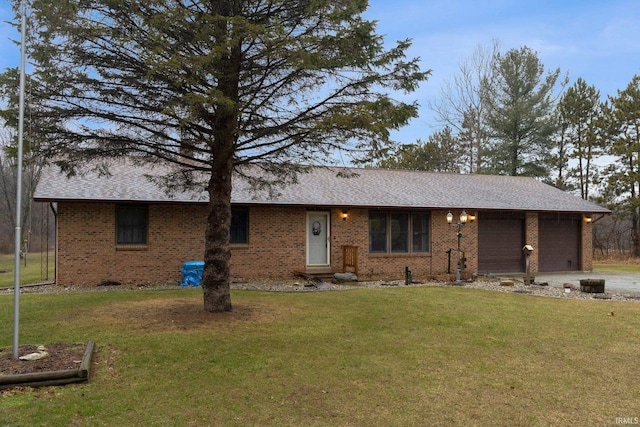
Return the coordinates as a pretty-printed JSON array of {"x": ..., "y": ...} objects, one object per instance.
[
  {"x": 559, "y": 241},
  {"x": 500, "y": 242}
]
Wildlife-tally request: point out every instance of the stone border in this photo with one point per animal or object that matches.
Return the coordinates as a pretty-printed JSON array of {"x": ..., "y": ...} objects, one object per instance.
[{"x": 51, "y": 378}]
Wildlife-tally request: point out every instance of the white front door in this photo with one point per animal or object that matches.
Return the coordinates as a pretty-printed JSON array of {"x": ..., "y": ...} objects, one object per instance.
[{"x": 318, "y": 238}]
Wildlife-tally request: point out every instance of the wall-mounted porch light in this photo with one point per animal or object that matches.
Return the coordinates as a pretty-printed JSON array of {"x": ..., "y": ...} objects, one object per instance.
[
  {"x": 586, "y": 219},
  {"x": 344, "y": 214}
]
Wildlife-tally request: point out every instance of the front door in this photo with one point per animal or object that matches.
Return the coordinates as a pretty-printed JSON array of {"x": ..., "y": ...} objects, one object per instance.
[{"x": 318, "y": 238}]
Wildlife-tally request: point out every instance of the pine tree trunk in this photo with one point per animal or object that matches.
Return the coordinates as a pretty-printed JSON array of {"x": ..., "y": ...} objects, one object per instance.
[{"x": 216, "y": 274}]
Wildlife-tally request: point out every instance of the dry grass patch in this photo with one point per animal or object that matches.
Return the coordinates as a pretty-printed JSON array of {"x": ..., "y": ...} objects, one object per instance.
[{"x": 186, "y": 314}]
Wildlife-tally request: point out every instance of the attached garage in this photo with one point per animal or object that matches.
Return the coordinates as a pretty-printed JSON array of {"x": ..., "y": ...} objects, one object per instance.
[
  {"x": 559, "y": 242},
  {"x": 500, "y": 242}
]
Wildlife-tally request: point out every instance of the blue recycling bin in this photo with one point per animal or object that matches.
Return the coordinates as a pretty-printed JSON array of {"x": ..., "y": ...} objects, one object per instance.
[{"x": 192, "y": 273}]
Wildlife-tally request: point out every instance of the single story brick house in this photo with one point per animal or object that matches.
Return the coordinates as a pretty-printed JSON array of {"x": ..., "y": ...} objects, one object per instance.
[{"x": 123, "y": 227}]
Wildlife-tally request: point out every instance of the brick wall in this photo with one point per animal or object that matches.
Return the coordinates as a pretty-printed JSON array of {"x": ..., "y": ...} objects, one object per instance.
[
  {"x": 531, "y": 238},
  {"x": 355, "y": 232},
  {"x": 445, "y": 237},
  {"x": 587, "y": 246},
  {"x": 87, "y": 250},
  {"x": 277, "y": 244}
]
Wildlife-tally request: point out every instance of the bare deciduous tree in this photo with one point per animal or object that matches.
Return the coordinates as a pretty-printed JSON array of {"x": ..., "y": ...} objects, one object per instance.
[{"x": 460, "y": 106}]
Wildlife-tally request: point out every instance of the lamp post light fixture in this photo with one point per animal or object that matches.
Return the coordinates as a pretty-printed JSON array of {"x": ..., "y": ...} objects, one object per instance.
[{"x": 462, "y": 221}]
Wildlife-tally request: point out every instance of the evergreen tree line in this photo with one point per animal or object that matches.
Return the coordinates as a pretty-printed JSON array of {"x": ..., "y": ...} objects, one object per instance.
[{"x": 503, "y": 113}]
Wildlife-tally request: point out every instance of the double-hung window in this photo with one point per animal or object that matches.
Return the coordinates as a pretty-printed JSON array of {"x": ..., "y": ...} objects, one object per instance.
[
  {"x": 132, "y": 224},
  {"x": 239, "y": 232},
  {"x": 399, "y": 232}
]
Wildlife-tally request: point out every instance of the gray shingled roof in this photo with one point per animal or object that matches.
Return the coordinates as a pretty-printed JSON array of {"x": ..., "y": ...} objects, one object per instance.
[{"x": 321, "y": 187}]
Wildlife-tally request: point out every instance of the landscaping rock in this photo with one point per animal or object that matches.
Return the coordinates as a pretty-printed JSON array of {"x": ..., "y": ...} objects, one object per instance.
[
  {"x": 40, "y": 354},
  {"x": 318, "y": 284},
  {"x": 324, "y": 286},
  {"x": 315, "y": 285},
  {"x": 344, "y": 277}
]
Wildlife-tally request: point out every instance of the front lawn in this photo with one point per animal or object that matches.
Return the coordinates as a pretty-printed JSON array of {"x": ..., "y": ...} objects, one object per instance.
[{"x": 367, "y": 357}]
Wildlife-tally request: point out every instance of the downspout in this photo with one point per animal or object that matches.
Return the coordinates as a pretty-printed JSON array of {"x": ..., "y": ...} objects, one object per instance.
[{"x": 52, "y": 205}]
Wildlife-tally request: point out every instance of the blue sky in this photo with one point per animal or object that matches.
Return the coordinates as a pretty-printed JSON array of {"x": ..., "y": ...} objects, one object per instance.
[{"x": 598, "y": 40}]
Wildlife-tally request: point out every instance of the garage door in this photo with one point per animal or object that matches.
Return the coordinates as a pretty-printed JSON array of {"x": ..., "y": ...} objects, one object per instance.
[
  {"x": 500, "y": 242},
  {"x": 559, "y": 241}
]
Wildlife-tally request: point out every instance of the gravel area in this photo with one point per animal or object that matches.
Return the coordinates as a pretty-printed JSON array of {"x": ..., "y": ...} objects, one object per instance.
[{"x": 302, "y": 285}]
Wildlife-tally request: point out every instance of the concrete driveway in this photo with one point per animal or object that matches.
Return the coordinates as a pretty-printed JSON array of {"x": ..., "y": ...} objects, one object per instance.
[{"x": 626, "y": 282}]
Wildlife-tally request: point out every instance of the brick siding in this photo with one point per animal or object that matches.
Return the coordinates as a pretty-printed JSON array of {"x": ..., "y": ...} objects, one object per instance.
[
  {"x": 587, "y": 246},
  {"x": 531, "y": 238},
  {"x": 87, "y": 250}
]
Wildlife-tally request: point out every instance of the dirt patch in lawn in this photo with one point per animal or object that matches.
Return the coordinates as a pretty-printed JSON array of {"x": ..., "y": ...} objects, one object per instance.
[{"x": 160, "y": 315}]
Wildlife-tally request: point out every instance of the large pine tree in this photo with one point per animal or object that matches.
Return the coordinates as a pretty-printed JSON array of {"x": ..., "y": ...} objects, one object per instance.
[
  {"x": 520, "y": 102},
  {"x": 579, "y": 116},
  {"x": 213, "y": 85}
]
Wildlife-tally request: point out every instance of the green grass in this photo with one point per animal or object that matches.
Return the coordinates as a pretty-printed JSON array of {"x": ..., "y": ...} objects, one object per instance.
[
  {"x": 31, "y": 273},
  {"x": 370, "y": 357},
  {"x": 617, "y": 268}
]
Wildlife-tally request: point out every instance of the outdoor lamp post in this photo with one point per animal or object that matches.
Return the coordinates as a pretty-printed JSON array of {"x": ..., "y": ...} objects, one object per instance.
[{"x": 459, "y": 225}]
